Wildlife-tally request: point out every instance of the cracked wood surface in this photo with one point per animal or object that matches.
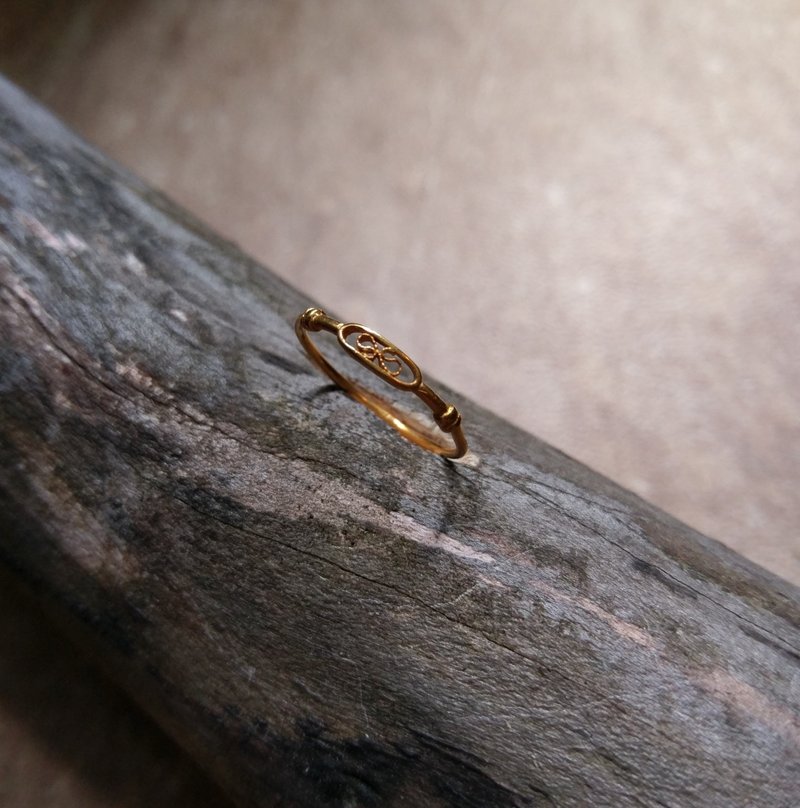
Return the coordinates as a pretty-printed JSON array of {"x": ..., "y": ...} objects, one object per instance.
[{"x": 320, "y": 612}]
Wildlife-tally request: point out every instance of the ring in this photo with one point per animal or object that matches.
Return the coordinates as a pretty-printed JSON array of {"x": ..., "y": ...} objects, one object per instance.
[{"x": 394, "y": 366}]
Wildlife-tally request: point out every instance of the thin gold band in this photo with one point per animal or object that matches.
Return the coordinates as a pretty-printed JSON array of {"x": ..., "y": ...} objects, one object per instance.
[{"x": 393, "y": 366}]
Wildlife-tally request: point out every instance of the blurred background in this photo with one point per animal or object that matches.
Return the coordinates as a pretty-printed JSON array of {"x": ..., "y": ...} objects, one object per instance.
[{"x": 585, "y": 216}]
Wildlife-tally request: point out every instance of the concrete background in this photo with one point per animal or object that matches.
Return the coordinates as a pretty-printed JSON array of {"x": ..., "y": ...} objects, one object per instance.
[{"x": 582, "y": 215}]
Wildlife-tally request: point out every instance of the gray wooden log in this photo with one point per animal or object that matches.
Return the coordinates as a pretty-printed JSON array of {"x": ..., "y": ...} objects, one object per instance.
[{"x": 320, "y": 612}]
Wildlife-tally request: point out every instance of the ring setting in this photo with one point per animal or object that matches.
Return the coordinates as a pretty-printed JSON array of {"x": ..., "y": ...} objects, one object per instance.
[{"x": 392, "y": 365}]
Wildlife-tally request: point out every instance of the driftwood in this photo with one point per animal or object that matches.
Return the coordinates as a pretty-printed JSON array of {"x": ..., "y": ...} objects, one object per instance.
[{"x": 322, "y": 613}]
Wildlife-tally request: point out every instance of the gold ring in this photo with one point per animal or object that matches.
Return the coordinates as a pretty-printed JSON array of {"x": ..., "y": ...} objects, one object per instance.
[{"x": 393, "y": 366}]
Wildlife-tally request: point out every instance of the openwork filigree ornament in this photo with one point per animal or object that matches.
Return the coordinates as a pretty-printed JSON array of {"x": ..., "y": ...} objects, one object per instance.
[{"x": 372, "y": 350}]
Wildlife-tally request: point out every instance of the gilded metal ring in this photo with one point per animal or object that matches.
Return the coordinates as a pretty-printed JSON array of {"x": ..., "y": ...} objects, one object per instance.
[{"x": 392, "y": 365}]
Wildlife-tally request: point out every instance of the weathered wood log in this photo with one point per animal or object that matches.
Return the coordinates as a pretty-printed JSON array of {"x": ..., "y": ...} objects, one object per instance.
[{"x": 322, "y": 613}]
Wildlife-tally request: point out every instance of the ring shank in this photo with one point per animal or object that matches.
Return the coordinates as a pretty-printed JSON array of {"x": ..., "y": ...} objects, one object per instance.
[{"x": 446, "y": 416}]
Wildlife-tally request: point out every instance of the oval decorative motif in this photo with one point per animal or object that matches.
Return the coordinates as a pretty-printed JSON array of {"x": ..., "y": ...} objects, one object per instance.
[{"x": 381, "y": 356}]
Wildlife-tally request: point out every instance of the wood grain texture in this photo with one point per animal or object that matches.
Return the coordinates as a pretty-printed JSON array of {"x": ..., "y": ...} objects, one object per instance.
[
  {"x": 320, "y": 612},
  {"x": 69, "y": 736}
]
